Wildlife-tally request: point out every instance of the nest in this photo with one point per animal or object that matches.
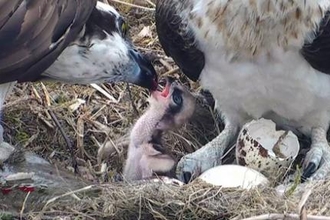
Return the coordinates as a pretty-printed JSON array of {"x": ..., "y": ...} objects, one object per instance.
[
  {"x": 100, "y": 118},
  {"x": 197, "y": 200}
]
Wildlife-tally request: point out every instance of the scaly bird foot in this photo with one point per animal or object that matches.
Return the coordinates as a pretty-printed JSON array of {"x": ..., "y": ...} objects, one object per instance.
[
  {"x": 192, "y": 165},
  {"x": 317, "y": 161},
  {"x": 5, "y": 149}
]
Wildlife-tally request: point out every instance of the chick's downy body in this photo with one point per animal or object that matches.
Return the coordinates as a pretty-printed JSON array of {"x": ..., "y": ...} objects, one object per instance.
[{"x": 167, "y": 110}]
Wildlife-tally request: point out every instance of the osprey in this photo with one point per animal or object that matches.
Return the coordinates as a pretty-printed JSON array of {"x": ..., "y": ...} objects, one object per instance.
[
  {"x": 258, "y": 58},
  {"x": 71, "y": 41}
]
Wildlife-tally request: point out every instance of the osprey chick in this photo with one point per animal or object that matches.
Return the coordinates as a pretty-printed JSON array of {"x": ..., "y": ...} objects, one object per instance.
[
  {"x": 167, "y": 110},
  {"x": 258, "y": 58}
]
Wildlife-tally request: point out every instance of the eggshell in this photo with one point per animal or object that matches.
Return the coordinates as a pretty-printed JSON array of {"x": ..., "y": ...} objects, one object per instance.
[{"x": 263, "y": 148}]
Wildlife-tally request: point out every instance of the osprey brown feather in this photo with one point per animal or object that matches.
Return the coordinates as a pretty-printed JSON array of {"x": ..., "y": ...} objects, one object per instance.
[{"x": 34, "y": 33}]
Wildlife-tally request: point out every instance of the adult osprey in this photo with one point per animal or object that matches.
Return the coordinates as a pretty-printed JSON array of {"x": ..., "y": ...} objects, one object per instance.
[
  {"x": 259, "y": 58},
  {"x": 72, "y": 41}
]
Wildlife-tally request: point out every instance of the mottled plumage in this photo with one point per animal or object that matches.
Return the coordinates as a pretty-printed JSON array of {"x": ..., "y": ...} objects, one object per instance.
[{"x": 258, "y": 58}]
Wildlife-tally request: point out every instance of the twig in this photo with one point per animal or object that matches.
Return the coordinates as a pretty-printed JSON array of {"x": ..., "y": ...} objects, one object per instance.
[
  {"x": 151, "y": 3},
  {"x": 67, "y": 140},
  {"x": 170, "y": 72},
  {"x": 47, "y": 96},
  {"x": 31, "y": 139},
  {"x": 302, "y": 202},
  {"x": 68, "y": 194},
  {"x": 166, "y": 65},
  {"x": 105, "y": 93},
  {"x": 35, "y": 92},
  {"x": 133, "y": 5},
  {"x": 97, "y": 113},
  {"x": 57, "y": 123},
  {"x": 80, "y": 136},
  {"x": 136, "y": 112},
  {"x": 228, "y": 151},
  {"x": 283, "y": 216},
  {"x": 15, "y": 102},
  {"x": 23, "y": 206},
  {"x": 190, "y": 143}
]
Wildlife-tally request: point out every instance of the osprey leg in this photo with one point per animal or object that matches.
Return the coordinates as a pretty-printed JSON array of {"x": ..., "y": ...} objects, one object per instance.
[
  {"x": 192, "y": 165},
  {"x": 5, "y": 90},
  {"x": 317, "y": 160}
]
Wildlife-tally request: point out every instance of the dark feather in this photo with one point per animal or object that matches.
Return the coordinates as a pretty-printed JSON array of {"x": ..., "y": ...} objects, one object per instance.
[
  {"x": 28, "y": 28},
  {"x": 317, "y": 53},
  {"x": 176, "y": 41},
  {"x": 7, "y": 8},
  {"x": 100, "y": 23}
]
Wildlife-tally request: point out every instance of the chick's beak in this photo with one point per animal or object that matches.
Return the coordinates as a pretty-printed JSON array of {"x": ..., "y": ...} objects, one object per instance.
[
  {"x": 145, "y": 73},
  {"x": 167, "y": 87}
]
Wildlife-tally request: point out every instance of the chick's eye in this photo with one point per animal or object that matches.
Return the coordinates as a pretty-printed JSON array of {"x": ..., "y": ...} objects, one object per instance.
[
  {"x": 177, "y": 99},
  {"x": 124, "y": 28}
]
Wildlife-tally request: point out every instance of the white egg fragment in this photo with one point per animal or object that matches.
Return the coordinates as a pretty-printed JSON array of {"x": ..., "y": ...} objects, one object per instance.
[
  {"x": 261, "y": 147},
  {"x": 167, "y": 180},
  {"x": 230, "y": 176}
]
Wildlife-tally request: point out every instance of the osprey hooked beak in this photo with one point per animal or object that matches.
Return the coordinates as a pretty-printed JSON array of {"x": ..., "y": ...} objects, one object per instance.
[{"x": 145, "y": 72}]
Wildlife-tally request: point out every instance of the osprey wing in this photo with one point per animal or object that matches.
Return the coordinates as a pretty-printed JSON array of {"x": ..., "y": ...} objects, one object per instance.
[
  {"x": 33, "y": 33},
  {"x": 176, "y": 38},
  {"x": 317, "y": 53}
]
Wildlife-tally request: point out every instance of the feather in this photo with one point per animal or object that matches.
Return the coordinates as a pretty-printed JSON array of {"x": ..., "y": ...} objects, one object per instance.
[{"x": 34, "y": 32}]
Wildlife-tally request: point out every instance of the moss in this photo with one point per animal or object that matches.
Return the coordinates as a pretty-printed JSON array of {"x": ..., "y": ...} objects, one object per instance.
[
  {"x": 6, "y": 216},
  {"x": 22, "y": 136}
]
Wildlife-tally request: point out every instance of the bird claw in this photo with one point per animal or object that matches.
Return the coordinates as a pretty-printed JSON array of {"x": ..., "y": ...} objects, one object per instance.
[
  {"x": 308, "y": 171},
  {"x": 317, "y": 163},
  {"x": 192, "y": 165},
  {"x": 188, "y": 168}
]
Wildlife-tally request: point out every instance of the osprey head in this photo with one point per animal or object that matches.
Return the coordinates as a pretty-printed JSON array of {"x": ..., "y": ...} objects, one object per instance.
[{"x": 103, "y": 53}]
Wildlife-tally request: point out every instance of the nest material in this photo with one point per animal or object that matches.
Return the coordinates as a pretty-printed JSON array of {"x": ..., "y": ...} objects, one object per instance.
[
  {"x": 28, "y": 124},
  {"x": 196, "y": 200}
]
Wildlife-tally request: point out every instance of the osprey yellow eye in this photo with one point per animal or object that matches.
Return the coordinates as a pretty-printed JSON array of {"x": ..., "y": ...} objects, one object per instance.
[{"x": 124, "y": 28}]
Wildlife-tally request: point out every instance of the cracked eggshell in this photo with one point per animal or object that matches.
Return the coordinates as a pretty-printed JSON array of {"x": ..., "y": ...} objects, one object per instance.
[
  {"x": 261, "y": 147},
  {"x": 230, "y": 176}
]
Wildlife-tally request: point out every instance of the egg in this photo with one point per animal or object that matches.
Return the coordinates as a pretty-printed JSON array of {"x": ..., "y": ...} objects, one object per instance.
[
  {"x": 232, "y": 175},
  {"x": 267, "y": 150}
]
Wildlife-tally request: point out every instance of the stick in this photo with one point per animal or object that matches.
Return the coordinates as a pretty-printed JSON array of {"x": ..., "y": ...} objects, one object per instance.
[
  {"x": 23, "y": 206},
  {"x": 283, "y": 216},
  {"x": 105, "y": 93},
  {"x": 136, "y": 112},
  {"x": 71, "y": 193},
  {"x": 67, "y": 140},
  {"x": 133, "y": 5},
  {"x": 151, "y": 3}
]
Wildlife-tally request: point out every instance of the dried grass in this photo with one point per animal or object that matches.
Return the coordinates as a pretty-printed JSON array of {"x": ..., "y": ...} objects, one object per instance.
[
  {"x": 102, "y": 119},
  {"x": 197, "y": 200}
]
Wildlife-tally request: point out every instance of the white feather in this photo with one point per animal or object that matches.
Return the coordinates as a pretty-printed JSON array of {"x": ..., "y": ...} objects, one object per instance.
[
  {"x": 107, "y": 8},
  {"x": 255, "y": 74},
  {"x": 285, "y": 85},
  {"x": 97, "y": 65}
]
